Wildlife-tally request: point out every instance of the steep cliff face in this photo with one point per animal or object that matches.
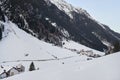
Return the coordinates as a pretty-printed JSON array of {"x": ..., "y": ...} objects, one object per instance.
[{"x": 55, "y": 20}]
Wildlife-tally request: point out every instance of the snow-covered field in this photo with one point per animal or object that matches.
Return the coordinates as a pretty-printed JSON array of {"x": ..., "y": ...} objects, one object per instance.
[
  {"x": 54, "y": 63},
  {"x": 104, "y": 68}
]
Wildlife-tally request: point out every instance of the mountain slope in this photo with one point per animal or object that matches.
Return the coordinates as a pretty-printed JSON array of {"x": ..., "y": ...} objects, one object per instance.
[
  {"x": 56, "y": 20},
  {"x": 53, "y": 62},
  {"x": 19, "y": 43}
]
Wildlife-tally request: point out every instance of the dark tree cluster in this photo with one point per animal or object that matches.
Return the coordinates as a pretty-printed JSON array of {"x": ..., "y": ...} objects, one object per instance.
[
  {"x": 3, "y": 19},
  {"x": 116, "y": 46},
  {"x": 2, "y": 15},
  {"x": 0, "y": 33}
]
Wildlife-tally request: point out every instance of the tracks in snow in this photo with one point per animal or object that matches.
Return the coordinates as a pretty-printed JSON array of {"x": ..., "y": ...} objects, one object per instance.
[{"x": 41, "y": 60}]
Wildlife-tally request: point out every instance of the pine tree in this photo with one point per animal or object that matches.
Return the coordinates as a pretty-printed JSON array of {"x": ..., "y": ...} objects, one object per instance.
[
  {"x": 32, "y": 67},
  {"x": 116, "y": 46}
]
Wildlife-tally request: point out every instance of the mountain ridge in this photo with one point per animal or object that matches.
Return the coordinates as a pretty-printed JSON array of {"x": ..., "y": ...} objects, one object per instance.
[{"x": 55, "y": 20}]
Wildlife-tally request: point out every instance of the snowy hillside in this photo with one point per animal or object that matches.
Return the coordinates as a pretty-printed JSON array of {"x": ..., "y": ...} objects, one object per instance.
[
  {"x": 105, "y": 68},
  {"x": 54, "y": 63},
  {"x": 18, "y": 43}
]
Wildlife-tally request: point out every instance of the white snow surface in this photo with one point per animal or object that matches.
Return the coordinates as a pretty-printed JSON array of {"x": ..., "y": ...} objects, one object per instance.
[
  {"x": 54, "y": 63},
  {"x": 104, "y": 68}
]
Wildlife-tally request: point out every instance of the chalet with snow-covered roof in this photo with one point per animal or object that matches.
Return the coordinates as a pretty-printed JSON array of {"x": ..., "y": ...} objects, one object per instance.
[
  {"x": 4, "y": 75},
  {"x": 13, "y": 71}
]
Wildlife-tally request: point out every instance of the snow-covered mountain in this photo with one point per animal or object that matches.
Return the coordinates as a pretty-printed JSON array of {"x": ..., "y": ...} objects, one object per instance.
[
  {"x": 27, "y": 29},
  {"x": 52, "y": 62},
  {"x": 18, "y": 43},
  {"x": 68, "y": 8},
  {"x": 55, "y": 20}
]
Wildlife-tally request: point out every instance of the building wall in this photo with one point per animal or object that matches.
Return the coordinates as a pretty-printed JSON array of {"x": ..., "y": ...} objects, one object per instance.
[
  {"x": 3, "y": 76},
  {"x": 13, "y": 72}
]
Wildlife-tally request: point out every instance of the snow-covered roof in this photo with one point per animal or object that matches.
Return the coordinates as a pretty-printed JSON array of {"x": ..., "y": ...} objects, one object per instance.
[{"x": 7, "y": 68}]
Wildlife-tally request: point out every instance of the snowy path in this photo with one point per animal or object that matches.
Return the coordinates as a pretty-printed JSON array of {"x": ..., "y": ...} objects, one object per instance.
[{"x": 41, "y": 60}]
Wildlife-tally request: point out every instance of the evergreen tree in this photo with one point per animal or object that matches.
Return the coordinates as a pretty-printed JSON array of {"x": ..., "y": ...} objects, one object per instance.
[
  {"x": 0, "y": 33},
  {"x": 116, "y": 46},
  {"x": 32, "y": 67},
  {"x": 2, "y": 17}
]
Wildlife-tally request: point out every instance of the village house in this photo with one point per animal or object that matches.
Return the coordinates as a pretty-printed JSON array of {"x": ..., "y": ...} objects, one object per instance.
[
  {"x": 20, "y": 68},
  {"x": 3, "y": 75},
  {"x": 12, "y": 71}
]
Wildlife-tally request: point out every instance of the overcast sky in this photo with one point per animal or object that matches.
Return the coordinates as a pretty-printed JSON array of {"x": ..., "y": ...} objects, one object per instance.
[{"x": 104, "y": 11}]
